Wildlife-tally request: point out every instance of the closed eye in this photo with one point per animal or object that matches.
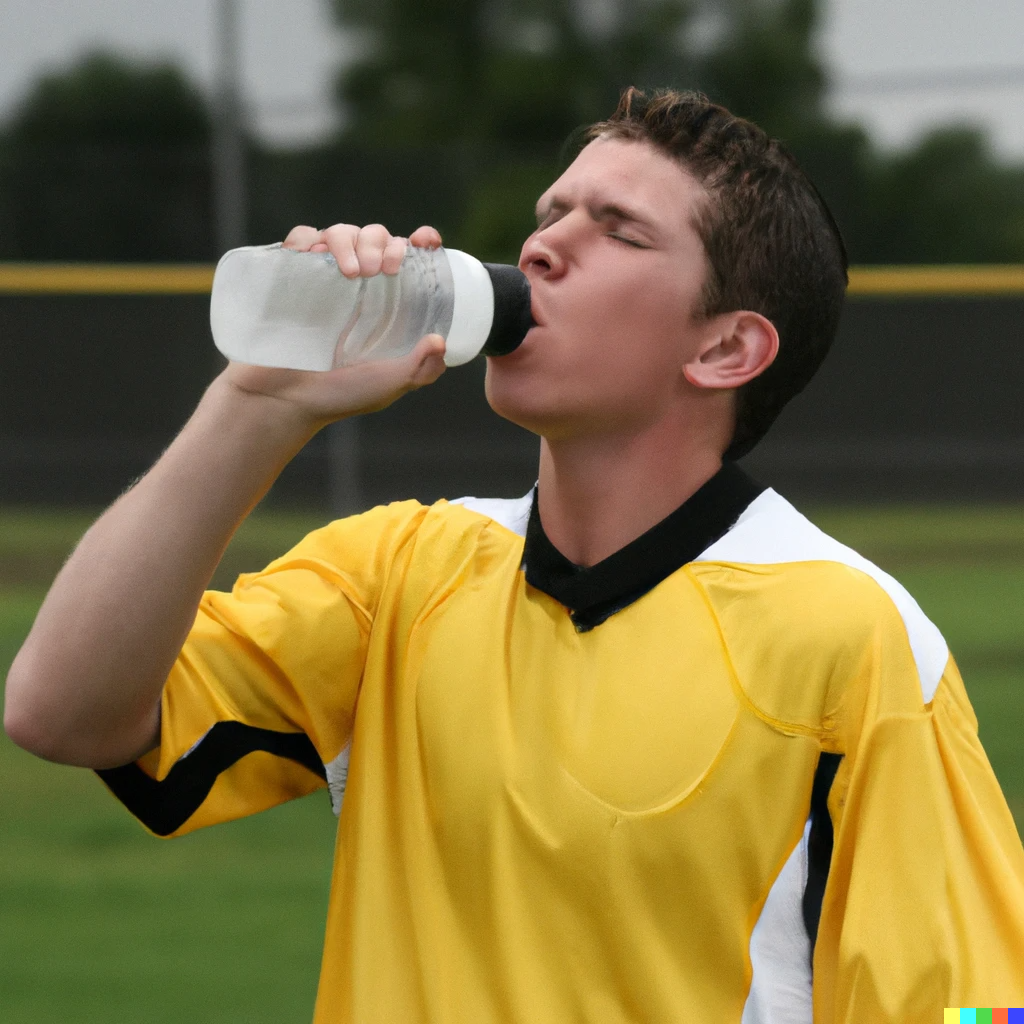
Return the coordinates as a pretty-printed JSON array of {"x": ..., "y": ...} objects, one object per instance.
[{"x": 628, "y": 241}]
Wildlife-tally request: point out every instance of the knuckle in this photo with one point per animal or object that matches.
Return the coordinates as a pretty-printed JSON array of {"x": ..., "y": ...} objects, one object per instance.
[
  {"x": 300, "y": 234},
  {"x": 339, "y": 231}
]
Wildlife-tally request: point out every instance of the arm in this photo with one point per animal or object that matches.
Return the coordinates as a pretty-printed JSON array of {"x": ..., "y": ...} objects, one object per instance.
[
  {"x": 85, "y": 687},
  {"x": 924, "y": 906}
]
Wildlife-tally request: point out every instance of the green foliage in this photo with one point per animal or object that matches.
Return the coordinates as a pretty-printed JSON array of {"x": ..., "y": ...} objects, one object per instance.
[
  {"x": 765, "y": 67},
  {"x": 473, "y": 72},
  {"x": 499, "y": 210},
  {"x": 503, "y": 81},
  {"x": 104, "y": 99},
  {"x": 949, "y": 195},
  {"x": 107, "y": 161}
]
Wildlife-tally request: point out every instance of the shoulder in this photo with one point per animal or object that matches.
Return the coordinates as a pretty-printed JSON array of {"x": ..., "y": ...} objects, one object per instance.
[
  {"x": 404, "y": 547},
  {"x": 402, "y": 524},
  {"x": 432, "y": 536},
  {"x": 510, "y": 513},
  {"x": 813, "y": 587}
]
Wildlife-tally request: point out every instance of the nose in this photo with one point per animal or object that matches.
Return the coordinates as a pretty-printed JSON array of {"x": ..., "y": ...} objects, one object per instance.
[{"x": 542, "y": 256}]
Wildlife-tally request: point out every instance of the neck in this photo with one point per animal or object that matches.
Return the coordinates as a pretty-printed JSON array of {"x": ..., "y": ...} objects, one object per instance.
[{"x": 597, "y": 494}]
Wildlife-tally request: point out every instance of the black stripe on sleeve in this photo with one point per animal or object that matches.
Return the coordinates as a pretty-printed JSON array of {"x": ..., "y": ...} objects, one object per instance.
[
  {"x": 819, "y": 844},
  {"x": 163, "y": 807}
]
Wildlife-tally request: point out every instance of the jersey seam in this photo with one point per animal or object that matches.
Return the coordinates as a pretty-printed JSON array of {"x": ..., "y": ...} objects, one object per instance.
[
  {"x": 335, "y": 577},
  {"x": 488, "y": 520},
  {"x": 891, "y": 603},
  {"x": 778, "y": 724}
]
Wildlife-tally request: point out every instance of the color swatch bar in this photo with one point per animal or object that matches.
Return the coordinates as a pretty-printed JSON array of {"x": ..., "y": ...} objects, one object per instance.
[{"x": 968, "y": 1015}]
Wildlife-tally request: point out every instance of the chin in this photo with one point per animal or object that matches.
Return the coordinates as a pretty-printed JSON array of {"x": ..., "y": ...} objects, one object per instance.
[
  {"x": 552, "y": 413},
  {"x": 523, "y": 399}
]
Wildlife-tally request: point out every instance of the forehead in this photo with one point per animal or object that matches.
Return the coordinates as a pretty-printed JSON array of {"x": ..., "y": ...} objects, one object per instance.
[{"x": 634, "y": 175}]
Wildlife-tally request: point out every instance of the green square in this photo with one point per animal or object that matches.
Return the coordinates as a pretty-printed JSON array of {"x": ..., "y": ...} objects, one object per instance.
[{"x": 983, "y": 1016}]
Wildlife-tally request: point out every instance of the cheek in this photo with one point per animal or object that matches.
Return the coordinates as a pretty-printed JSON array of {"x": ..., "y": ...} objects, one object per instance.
[{"x": 636, "y": 332}]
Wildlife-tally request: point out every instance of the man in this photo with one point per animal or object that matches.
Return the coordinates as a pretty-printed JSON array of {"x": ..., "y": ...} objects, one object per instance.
[{"x": 642, "y": 746}]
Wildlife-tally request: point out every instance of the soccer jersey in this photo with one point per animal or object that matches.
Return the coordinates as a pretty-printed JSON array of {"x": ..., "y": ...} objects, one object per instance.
[{"x": 728, "y": 774}]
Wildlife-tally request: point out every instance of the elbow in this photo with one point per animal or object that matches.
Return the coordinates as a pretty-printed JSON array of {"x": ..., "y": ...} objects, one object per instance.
[
  {"x": 26, "y": 719},
  {"x": 24, "y": 731},
  {"x": 22, "y": 723},
  {"x": 39, "y": 718}
]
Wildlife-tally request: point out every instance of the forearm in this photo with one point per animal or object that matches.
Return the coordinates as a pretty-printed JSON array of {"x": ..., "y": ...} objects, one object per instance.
[{"x": 85, "y": 687}]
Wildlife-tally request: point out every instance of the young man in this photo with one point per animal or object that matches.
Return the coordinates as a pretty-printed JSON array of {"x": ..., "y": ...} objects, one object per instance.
[{"x": 642, "y": 746}]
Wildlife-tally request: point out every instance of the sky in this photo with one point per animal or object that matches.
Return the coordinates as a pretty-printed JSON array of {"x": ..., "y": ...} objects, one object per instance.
[{"x": 965, "y": 60}]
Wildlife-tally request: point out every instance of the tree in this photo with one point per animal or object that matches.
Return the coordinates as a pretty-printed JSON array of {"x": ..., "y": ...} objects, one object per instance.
[
  {"x": 765, "y": 68},
  {"x": 504, "y": 73},
  {"x": 498, "y": 85},
  {"x": 108, "y": 160},
  {"x": 948, "y": 195}
]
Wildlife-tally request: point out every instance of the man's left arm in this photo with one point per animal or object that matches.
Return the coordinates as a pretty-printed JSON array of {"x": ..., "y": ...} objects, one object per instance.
[{"x": 924, "y": 906}]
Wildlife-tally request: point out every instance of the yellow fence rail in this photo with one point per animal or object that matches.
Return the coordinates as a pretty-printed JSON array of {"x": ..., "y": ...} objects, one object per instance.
[
  {"x": 196, "y": 279},
  {"x": 105, "y": 279}
]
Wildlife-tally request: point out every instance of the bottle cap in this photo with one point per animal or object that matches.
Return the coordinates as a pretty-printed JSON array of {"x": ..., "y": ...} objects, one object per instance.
[{"x": 512, "y": 315}]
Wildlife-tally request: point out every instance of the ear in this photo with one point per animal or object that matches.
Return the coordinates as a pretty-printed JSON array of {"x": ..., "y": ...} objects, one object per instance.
[{"x": 736, "y": 348}]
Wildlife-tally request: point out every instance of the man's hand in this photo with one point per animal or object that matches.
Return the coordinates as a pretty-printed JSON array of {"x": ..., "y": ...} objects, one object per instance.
[{"x": 315, "y": 399}]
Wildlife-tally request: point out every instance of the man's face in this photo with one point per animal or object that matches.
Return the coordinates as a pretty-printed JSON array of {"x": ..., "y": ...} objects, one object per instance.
[{"x": 617, "y": 271}]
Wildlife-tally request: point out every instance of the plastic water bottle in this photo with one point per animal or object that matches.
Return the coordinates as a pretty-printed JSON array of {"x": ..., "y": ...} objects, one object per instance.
[{"x": 273, "y": 306}]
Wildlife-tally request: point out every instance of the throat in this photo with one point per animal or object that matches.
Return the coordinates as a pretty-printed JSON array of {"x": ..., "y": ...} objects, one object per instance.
[{"x": 594, "y": 503}]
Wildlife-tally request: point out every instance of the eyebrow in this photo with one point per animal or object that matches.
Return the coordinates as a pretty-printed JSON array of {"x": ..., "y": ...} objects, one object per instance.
[{"x": 601, "y": 212}]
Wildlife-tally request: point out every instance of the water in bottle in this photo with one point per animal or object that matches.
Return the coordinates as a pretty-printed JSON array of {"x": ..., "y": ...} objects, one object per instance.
[{"x": 273, "y": 306}]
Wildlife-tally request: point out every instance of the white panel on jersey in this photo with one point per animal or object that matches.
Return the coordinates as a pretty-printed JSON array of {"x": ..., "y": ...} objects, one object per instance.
[
  {"x": 337, "y": 777},
  {"x": 780, "y": 951},
  {"x": 512, "y": 513},
  {"x": 770, "y": 531}
]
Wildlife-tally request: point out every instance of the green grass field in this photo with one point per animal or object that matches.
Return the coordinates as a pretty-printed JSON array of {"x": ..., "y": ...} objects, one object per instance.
[{"x": 101, "y": 923}]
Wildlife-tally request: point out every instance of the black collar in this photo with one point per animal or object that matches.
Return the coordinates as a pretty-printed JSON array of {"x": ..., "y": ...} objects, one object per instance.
[{"x": 593, "y": 593}]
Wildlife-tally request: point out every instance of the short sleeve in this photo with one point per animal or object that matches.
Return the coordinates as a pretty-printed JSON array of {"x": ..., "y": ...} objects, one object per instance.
[
  {"x": 260, "y": 703},
  {"x": 924, "y": 906}
]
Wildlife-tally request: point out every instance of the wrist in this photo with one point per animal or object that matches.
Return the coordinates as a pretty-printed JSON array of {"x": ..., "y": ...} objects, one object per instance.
[{"x": 270, "y": 421}]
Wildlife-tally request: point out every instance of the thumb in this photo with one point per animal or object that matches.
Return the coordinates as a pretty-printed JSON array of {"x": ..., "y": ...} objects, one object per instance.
[{"x": 425, "y": 363}]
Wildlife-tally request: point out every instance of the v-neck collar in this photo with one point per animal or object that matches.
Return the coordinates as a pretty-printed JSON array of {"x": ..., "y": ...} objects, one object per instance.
[{"x": 593, "y": 593}]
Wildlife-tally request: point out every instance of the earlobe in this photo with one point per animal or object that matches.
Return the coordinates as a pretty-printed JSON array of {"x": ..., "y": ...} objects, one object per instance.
[{"x": 740, "y": 346}]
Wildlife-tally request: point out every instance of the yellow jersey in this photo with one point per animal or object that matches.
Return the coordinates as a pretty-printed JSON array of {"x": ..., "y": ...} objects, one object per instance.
[{"x": 728, "y": 774}]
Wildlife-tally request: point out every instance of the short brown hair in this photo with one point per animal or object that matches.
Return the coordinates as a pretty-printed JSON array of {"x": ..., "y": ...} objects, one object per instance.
[{"x": 771, "y": 242}]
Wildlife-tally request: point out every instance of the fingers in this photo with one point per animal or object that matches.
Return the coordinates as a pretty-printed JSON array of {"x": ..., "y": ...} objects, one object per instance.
[
  {"x": 361, "y": 252},
  {"x": 371, "y": 386},
  {"x": 341, "y": 243},
  {"x": 425, "y": 237},
  {"x": 426, "y": 361},
  {"x": 394, "y": 253},
  {"x": 302, "y": 238},
  {"x": 365, "y": 252}
]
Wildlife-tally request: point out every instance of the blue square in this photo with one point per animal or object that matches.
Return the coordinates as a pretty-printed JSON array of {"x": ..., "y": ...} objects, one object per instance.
[{"x": 1016, "y": 1016}]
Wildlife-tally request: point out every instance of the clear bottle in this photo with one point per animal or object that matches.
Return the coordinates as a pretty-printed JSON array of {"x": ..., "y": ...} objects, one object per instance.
[{"x": 273, "y": 306}]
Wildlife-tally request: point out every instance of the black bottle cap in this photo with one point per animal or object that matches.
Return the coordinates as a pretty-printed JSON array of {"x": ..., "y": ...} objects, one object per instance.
[{"x": 512, "y": 316}]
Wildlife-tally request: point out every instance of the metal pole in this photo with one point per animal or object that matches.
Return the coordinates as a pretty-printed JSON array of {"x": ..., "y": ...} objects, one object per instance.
[
  {"x": 344, "y": 479},
  {"x": 229, "y": 180}
]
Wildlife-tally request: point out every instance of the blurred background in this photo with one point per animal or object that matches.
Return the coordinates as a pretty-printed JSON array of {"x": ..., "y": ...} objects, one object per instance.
[{"x": 140, "y": 140}]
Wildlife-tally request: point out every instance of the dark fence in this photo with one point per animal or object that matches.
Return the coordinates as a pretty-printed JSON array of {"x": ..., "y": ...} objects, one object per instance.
[{"x": 919, "y": 399}]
